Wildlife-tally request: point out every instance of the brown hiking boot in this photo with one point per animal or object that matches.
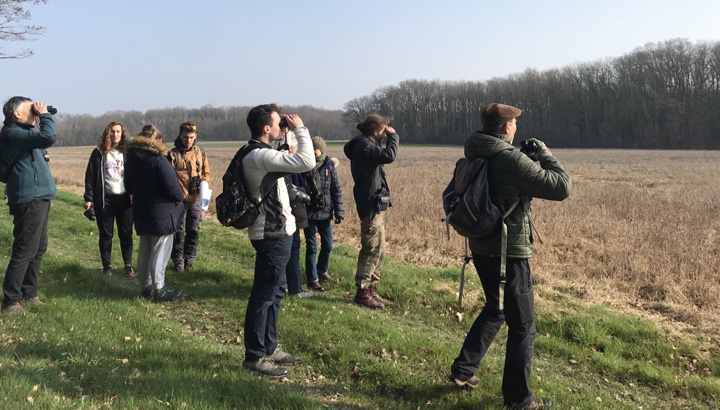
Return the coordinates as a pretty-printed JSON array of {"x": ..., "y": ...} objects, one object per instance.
[
  {"x": 363, "y": 298},
  {"x": 374, "y": 295}
]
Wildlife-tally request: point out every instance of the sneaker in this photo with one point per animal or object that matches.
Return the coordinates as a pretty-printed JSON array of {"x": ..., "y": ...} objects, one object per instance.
[
  {"x": 129, "y": 271},
  {"x": 316, "y": 286},
  {"x": 147, "y": 293},
  {"x": 373, "y": 294},
  {"x": 537, "y": 403},
  {"x": 280, "y": 357},
  {"x": 106, "y": 272},
  {"x": 35, "y": 301},
  {"x": 324, "y": 277},
  {"x": 363, "y": 298},
  {"x": 469, "y": 384},
  {"x": 165, "y": 294},
  {"x": 16, "y": 307},
  {"x": 303, "y": 294},
  {"x": 266, "y": 369}
]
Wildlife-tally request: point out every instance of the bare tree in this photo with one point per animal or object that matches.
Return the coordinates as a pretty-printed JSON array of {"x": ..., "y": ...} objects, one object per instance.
[{"x": 13, "y": 16}]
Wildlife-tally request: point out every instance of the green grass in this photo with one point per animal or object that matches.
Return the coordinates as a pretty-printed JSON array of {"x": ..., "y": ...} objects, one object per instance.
[{"x": 94, "y": 344}]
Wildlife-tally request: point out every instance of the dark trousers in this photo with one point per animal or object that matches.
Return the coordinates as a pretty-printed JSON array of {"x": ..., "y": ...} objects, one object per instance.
[
  {"x": 519, "y": 314},
  {"x": 292, "y": 272},
  {"x": 267, "y": 291},
  {"x": 324, "y": 228},
  {"x": 117, "y": 209},
  {"x": 30, "y": 232},
  {"x": 185, "y": 254}
]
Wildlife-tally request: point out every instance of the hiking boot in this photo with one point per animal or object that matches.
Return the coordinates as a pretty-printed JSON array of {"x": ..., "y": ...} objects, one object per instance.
[
  {"x": 189, "y": 264},
  {"x": 280, "y": 357},
  {"x": 179, "y": 267},
  {"x": 373, "y": 294},
  {"x": 537, "y": 403},
  {"x": 35, "y": 301},
  {"x": 147, "y": 293},
  {"x": 363, "y": 298},
  {"x": 316, "y": 286},
  {"x": 129, "y": 271},
  {"x": 469, "y": 384},
  {"x": 266, "y": 369},
  {"x": 165, "y": 294},
  {"x": 303, "y": 294},
  {"x": 16, "y": 307},
  {"x": 107, "y": 272},
  {"x": 324, "y": 277}
]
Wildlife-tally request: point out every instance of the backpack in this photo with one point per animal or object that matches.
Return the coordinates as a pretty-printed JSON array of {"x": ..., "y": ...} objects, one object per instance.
[
  {"x": 6, "y": 169},
  {"x": 468, "y": 209},
  {"x": 232, "y": 206},
  {"x": 466, "y": 200},
  {"x": 313, "y": 184}
]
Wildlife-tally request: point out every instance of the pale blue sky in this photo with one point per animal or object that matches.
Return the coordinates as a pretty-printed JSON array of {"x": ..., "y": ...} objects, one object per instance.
[{"x": 102, "y": 55}]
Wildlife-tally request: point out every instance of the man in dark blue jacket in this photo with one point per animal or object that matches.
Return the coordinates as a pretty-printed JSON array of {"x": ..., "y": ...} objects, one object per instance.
[
  {"x": 372, "y": 198},
  {"x": 30, "y": 188}
]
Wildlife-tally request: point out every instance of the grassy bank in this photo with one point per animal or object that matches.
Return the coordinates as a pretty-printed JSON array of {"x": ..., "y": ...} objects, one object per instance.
[{"x": 93, "y": 344}]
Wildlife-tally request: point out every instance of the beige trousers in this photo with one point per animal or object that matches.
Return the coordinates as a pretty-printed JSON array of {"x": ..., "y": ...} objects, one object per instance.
[{"x": 372, "y": 253}]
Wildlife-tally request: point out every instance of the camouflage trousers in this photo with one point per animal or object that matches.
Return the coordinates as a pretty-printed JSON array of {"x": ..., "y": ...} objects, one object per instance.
[{"x": 372, "y": 252}]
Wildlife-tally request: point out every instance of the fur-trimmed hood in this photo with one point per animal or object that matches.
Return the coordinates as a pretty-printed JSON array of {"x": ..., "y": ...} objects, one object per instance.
[{"x": 147, "y": 144}]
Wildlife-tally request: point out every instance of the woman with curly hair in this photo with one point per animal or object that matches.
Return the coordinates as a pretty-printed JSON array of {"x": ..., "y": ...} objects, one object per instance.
[{"x": 105, "y": 192}]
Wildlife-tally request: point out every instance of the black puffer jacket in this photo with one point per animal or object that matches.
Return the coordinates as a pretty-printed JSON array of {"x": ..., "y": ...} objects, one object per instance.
[
  {"x": 367, "y": 159},
  {"x": 152, "y": 181},
  {"x": 333, "y": 203}
]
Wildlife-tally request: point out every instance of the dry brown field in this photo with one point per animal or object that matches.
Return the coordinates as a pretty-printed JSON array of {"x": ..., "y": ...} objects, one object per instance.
[{"x": 640, "y": 230}]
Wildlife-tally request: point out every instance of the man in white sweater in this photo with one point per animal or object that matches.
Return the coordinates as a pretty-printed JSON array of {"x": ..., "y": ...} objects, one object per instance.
[{"x": 264, "y": 170}]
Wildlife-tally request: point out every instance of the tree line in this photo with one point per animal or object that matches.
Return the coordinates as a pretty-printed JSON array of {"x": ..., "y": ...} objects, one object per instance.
[
  {"x": 214, "y": 123},
  {"x": 662, "y": 95}
]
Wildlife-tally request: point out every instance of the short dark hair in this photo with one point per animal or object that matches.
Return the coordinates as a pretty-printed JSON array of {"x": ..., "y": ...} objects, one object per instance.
[
  {"x": 374, "y": 122},
  {"x": 12, "y": 105},
  {"x": 187, "y": 126},
  {"x": 259, "y": 117}
]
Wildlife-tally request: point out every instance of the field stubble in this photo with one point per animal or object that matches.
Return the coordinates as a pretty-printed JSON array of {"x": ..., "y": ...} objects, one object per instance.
[{"x": 640, "y": 229}]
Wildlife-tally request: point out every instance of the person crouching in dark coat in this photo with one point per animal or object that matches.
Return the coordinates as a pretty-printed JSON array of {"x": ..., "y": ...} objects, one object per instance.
[{"x": 157, "y": 207}]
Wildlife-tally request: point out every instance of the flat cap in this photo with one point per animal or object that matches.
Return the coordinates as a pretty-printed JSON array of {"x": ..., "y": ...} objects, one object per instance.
[{"x": 495, "y": 115}]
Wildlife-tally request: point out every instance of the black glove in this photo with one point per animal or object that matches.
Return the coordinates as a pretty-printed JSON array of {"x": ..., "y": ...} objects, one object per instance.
[{"x": 338, "y": 220}]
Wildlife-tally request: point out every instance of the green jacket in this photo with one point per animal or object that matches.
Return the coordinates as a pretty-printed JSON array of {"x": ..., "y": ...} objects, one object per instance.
[
  {"x": 513, "y": 177},
  {"x": 30, "y": 178}
]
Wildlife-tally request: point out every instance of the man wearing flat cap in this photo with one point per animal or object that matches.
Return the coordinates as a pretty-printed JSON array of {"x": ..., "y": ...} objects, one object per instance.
[{"x": 514, "y": 178}]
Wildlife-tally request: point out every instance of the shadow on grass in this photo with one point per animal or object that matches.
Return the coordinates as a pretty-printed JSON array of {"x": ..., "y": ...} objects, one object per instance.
[{"x": 150, "y": 376}]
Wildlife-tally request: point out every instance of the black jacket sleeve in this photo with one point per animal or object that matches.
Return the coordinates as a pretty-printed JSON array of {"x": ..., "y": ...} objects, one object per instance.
[{"x": 91, "y": 175}]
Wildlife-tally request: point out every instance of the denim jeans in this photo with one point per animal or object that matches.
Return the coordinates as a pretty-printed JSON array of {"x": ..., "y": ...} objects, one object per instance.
[
  {"x": 30, "y": 232},
  {"x": 268, "y": 289},
  {"x": 519, "y": 314},
  {"x": 324, "y": 228},
  {"x": 292, "y": 272}
]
